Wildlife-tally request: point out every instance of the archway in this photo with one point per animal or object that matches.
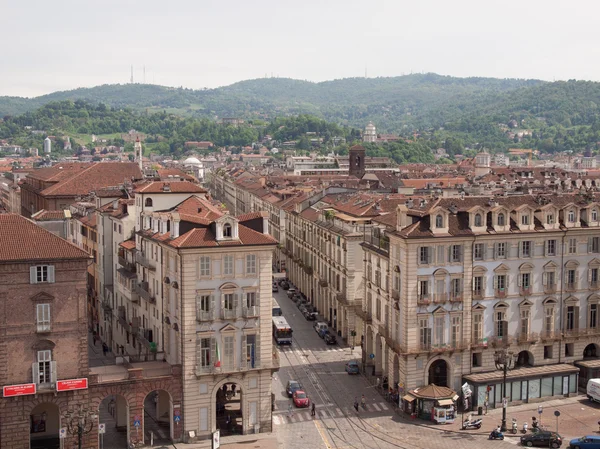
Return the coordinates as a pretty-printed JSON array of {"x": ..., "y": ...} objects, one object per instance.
[
  {"x": 524, "y": 358},
  {"x": 591, "y": 351},
  {"x": 113, "y": 412},
  {"x": 44, "y": 425},
  {"x": 158, "y": 416},
  {"x": 438, "y": 373},
  {"x": 230, "y": 419}
]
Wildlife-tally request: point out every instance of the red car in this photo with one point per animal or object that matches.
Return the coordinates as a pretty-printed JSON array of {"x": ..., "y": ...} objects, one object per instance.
[{"x": 300, "y": 399}]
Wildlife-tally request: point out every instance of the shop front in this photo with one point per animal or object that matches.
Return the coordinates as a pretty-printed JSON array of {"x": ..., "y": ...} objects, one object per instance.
[
  {"x": 588, "y": 369},
  {"x": 432, "y": 403},
  {"x": 523, "y": 385}
]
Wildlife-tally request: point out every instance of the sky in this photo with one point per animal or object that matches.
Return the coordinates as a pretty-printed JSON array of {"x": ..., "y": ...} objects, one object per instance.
[{"x": 65, "y": 44}]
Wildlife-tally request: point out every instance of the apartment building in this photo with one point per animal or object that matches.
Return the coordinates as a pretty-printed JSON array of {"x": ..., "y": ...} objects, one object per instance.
[
  {"x": 472, "y": 276},
  {"x": 213, "y": 273},
  {"x": 44, "y": 333}
]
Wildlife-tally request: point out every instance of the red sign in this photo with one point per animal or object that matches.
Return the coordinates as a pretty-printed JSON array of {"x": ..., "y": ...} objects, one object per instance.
[
  {"x": 72, "y": 384},
  {"x": 18, "y": 390}
]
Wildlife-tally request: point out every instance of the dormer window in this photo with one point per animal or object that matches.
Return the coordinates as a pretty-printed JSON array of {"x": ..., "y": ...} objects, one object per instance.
[
  {"x": 594, "y": 215},
  {"x": 148, "y": 202},
  {"x": 439, "y": 221},
  {"x": 227, "y": 230},
  {"x": 501, "y": 220},
  {"x": 571, "y": 216},
  {"x": 550, "y": 219},
  {"x": 525, "y": 219},
  {"x": 478, "y": 220}
]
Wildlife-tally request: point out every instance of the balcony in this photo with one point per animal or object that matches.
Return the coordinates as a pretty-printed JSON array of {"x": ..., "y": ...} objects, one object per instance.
[
  {"x": 425, "y": 346},
  {"x": 228, "y": 314},
  {"x": 107, "y": 306},
  {"x": 43, "y": 327},
  {"x": 367, "y": 317},
  {"x": 127, "y": 265},
  {"x": 204, "y": 315},
  {"x": 550, "y": 288},
  {"x": 144, "y": 261},
  {"x": 525, "y": 291},
  {"x": 423, "y": 299},
  {"x": 456, "y": 297},
  {"x": 143, "y": 336},
  {"x": 529, "y": 337},
  {"x": 500, "y": 293},
  {"x": 575, "y": 333},
  {"x": 205, "y": 369},
  {"x": 439, "y": 298},
  {"x": 479, "y": 343},
  {"x": 250, "y": 312},
  {"x": 549, "y": 336},
  {"x": 143, "y": 289},
  {"x": 323, "y": 282},
  {"x": 594, "y": 285},
  {"x": 500, "y": 342},
  {"x": 308, "y": 270},
  {"x": 395, "y": 294},
  {"x": 571, "y": 286}
]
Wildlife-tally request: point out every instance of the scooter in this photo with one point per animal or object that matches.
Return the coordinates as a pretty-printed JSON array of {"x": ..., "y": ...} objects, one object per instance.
[
  {"x": 496, "y": 435},
  {"x": 475, "y": 424},
  {"x": 514, "y": 426},
  {"x": 525, "y": 426}
]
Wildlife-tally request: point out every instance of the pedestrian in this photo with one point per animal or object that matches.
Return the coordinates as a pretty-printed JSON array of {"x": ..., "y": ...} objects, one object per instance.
[
  {"x": 233, "y": 390},
  {"x": 355, "y": 404},
  {"x": 104, "y": 348},
  {"x": 312, "y": 409},
  {"x": 290, "y": 411}
]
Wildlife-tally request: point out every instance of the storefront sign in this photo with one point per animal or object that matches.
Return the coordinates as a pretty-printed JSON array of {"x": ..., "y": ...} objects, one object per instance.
[
  {"x": 72, "y": 384},
  {"x": 18, "y": 390}
]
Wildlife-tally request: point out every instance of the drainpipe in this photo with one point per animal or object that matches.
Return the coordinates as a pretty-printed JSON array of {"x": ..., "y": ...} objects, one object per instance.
[{"x": 562, "y": 274}]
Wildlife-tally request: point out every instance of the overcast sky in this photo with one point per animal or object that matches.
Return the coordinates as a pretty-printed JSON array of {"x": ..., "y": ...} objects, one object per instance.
[{"x": 64, "y": 44}]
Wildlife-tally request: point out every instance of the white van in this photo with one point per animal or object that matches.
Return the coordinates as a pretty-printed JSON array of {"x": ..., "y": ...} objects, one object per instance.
[
  {"x": 321, "y": 326},
  {"x": 593, "y": 390}
]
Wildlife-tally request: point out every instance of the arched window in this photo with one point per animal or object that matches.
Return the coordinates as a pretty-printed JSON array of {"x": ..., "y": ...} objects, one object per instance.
[
  {"x": 439, "y": 221},
  {"x": 477, "y": 219},
  {"x": 501, "y": 219},
  {"x": 148, "y": 202},
  {"x": 226, "y": 230}
]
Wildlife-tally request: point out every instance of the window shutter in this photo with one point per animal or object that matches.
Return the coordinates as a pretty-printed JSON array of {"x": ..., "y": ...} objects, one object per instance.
[
  {"x": 52, "y": 372},
  {"x": 198, "y": 306},
  {"x": 440, "y": 255},
  {"x": 244, "y": 364},
  {"x": 507, "y": 280},
  {"x": 483, "y": 251},
  {"x": 40, "y": 313},
  {"x": 520, "y": 280},
  {"x": 589, "y": 275},
  {"x": 51, "y": 273},
  {"x": 419, "y": 255},
  {"x": 504, "y": 328},
  {"x": 222, "y": 304},
  {"x": 520, "y": 250},
  {"x": 33, "y": 275},
  {"x": 473, "y": 283},
  {"x": 198, "y": 352},
  {"x": 212, "y": 304},
  {"x": 544, "y": 278},
  {"x": 419, "y": 288},
  {"x": 590, "y": 240},
  {"x": 257, "y": 351},
  {"x": 35, "y": 372},
  {"x": 495, "y": 282},
  {"x": 213, "y": 351},
  {"x": 430, "y": 254},
  {"x": 576, "y": 320},
  {"x": 450, "y": 253}
]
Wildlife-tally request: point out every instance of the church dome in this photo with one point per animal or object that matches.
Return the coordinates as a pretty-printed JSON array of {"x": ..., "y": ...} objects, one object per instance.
[{"x": 191, "y": 161}]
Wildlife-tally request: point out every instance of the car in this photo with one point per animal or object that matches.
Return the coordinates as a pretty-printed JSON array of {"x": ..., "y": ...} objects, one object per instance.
[
  {"x": 302, "y": 309},
  {"x": 320, "y": 325},
  {"x": 291, "y": 292},
  {"x": 292, "y": 387},
  {"x": 330, "y": 339},
  {"x": 543, "y": 438},
  {"x": 301, "y": 399},
  {"x": 310, "y": 316},
  {"x": 587, "y": 442},
  {"x": 301, "y": 303},
  {"x": 323, "y": 332},
  {"x": 352, "y": 367},
  {"x": 275, "y": 288},
  {"x": 284, "y": 285}
]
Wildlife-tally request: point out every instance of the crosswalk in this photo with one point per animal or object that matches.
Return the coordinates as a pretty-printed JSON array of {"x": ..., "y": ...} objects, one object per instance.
[{"x": 297, "y": 415}]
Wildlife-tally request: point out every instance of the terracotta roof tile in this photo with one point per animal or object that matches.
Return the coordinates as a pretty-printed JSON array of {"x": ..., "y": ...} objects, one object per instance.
[
  {"x": 128, "y": 244},
  {"x": 252, "y": 215},
  {"x": 172, "y": 187},
  {"x": 23, "y": 240},
  {"x": 48, "y": 215}
]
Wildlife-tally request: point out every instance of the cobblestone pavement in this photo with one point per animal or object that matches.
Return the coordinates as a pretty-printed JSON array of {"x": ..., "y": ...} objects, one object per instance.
[{"x": 320, "y": 369}]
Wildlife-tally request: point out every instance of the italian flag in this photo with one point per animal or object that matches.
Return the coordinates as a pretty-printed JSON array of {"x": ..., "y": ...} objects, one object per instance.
[{"x": 218, "y": 356}]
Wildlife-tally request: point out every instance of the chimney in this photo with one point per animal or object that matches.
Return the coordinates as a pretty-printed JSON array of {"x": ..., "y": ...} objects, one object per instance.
[{"x": 402, "y": 220}]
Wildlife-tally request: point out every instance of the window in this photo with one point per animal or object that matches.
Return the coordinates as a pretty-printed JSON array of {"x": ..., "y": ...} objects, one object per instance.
[
  {"x": 439, "y": 221},
  {"x": 228, "y": 265},
  {"x": 478, "y": 251},
  {"x": 594, "y": 215},
  {"x": 423, "y": 289},
  {"x": 227, "y": 230},
  {"x": 439, "y": 330},
  {"x": 44, "y": 370},
  {"x": 594, "y": 245},
  {"x": 205, "y": 345},
  {"x": 43, "y": 317},
  {"x": 148, "y": 202},
  {"x": 593, "y": 318},
  {"x": 455, "y": 287},
  {"x": 424, "y": 333},
  {"x": 41, "y": 273},
  {"x": 500, "y": 250},
  {"x": 572, "y": 321},
  {"x": 476, "y": 359},
  {"x": 478, "y": 328},
  {"x": 228, "y": 353},
  {"x": 251, "y": 299},
  {"x": 549, "y": 321},
  {"x": 501, "y": 220},
  {"x": 525, "y": 249},
  {"x": 478, "y": 221},
  {"x": 251, "y": 264},
  {"x": 525, "y": 316},
  {"x": 455, "y": 253},
  {"x": 549, "y": 280},
  {"x": 455, "y": 336},
  {"x": 571, "y": 216},
  {"x": 573, "y": 246},
  {"x": 550, "y": 247},
  {"x": 425, "y": 255},
  {"x": 204, "y": 266},
  {"x": 550, "y": 219},
  {"x": 571, "y": 278},
  {"x": 120, "y": 229},
  {"x": 501, "y": 282},
  {"x": 501, "y": 324},
  {"x": 548, "y": 352},
  {"x": 229, "y": 301},
  {"x": 593, "y": 277},
  {"x": 525, "y": 219},
  {"x": 204, "y": 307},
  {"x": 525, "y": 281},
  {"x": 251, "y": 351},
  {"x": 478, "y": 286}
]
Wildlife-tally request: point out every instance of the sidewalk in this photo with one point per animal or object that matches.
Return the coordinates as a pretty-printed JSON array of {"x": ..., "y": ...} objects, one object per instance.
[
  {"x": 258, "y": 441},
  {"x": 95, "y": 355}
]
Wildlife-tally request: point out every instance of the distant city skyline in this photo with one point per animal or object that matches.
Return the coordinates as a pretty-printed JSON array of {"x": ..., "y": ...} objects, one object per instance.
[{"x": 208, "y": 44}]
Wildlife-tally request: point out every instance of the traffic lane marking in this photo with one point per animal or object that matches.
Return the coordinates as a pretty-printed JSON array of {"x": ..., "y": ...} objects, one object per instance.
[{"x": 322, "y": 433}]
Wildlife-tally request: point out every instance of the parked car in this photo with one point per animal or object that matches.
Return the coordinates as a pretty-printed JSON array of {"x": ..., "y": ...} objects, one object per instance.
[
  {"x": 320, "y": 325},
  {"x": 292, "y": 387},
  {"x": 310, "y": 316},
  {"x": 543, "y": 438},
  {"x": 330, "y": 339},
  {"x": 275, "y": 288},
  {"x": 302, "y": 309},
  {"x": 301, "y": 399},
  {"x": 323, "y": 332},
  {"x": 301, "y": 303},
  {"x": 587, "y": 442},
  {"x": 284, "y": 285},
  {"x": 352, "y": 367},
  {"x": 290, "y": 292}
]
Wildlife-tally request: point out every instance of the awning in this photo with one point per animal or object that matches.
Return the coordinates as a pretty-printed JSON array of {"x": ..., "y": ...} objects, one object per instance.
[
  {"x": 445, "y": 401},
  {"x": 409, "y": 398}
]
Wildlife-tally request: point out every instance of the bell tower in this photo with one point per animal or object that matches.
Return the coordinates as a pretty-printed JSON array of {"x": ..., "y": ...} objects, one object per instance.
[
  {"x": 137, "y": 150},
  {"x": 357, "y": 161}
]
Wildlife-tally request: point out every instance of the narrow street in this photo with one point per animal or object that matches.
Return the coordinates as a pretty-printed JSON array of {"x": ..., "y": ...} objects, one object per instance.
[{"x": 320, "y": 370}]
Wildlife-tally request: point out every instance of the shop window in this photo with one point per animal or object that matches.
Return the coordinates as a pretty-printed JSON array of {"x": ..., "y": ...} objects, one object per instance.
[
  {"x": 477, "y": 358},
  {"x": 548, "y": 352}
]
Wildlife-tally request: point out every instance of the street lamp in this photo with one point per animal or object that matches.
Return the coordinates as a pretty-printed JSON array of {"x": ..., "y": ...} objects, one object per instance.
[
  {"x": 504, "y": 361},
  {"x": 80, "y": 422}
]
